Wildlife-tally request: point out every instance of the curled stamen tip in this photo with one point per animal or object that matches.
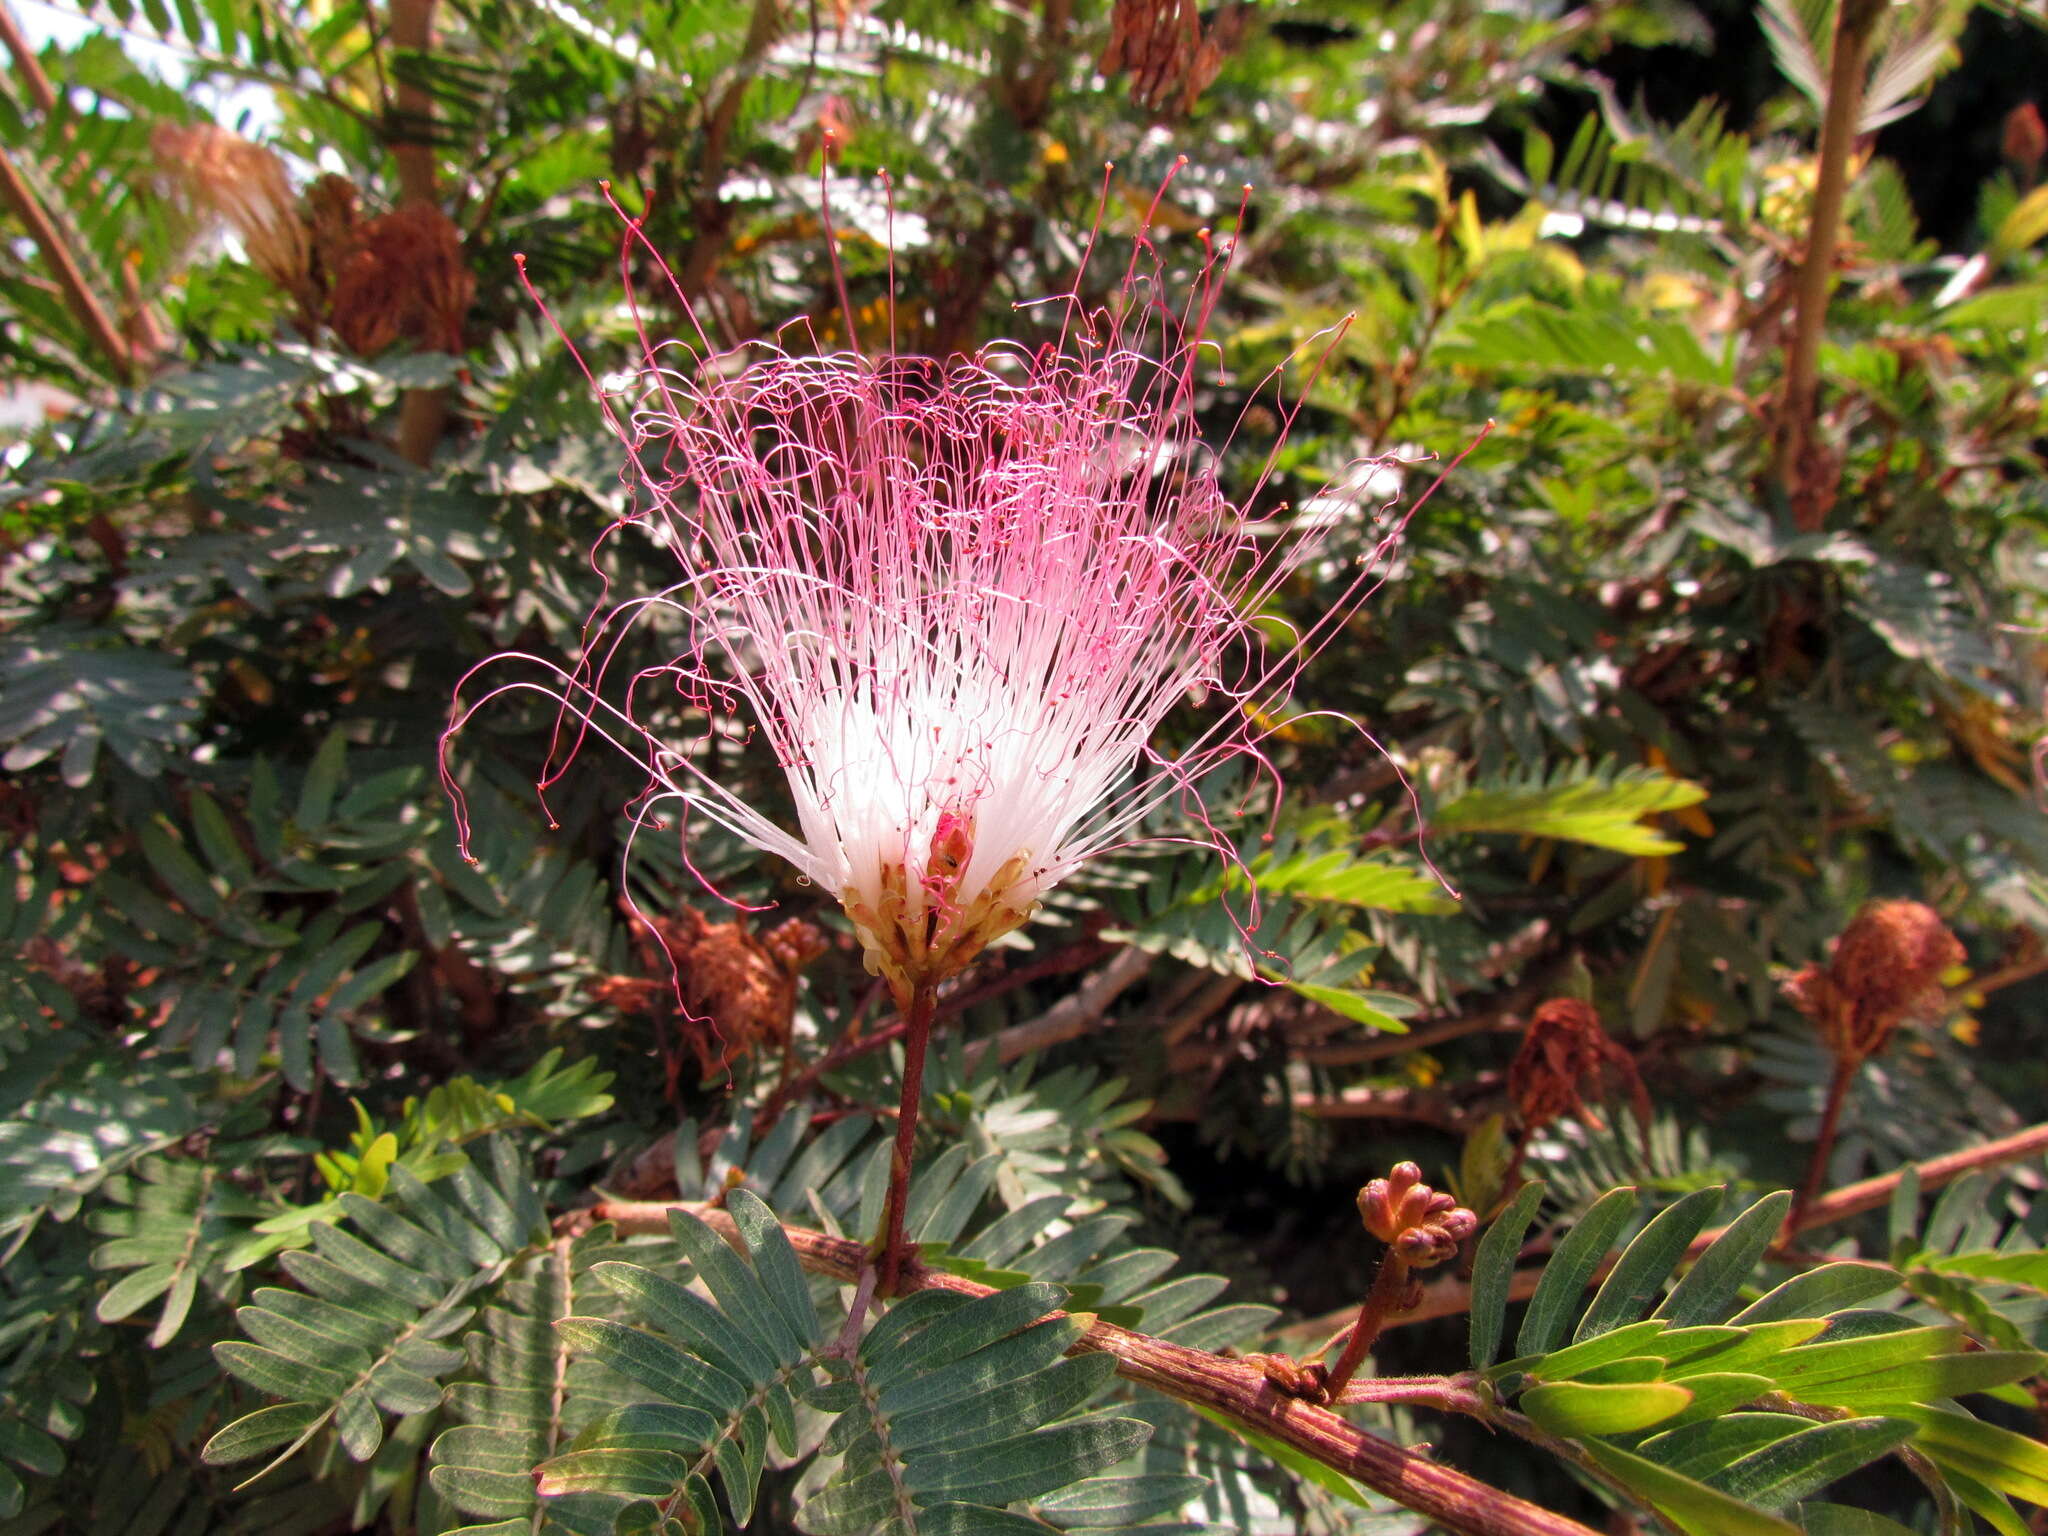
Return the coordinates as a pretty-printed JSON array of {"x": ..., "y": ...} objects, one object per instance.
[
  {"x": 1180, "y": 160},
  {"x": 604, "y": 184},
  {"x": 519, "y": 260}
]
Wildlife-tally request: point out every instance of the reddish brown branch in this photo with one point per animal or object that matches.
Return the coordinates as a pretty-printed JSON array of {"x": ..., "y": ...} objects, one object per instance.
[
  {"x": 1797, "y": 466},
  {"x": 64, "y": 266},
  {"x": 26, "y": 63},
  {"x": 1869, "y": 1194},
  {"x": 1236, "y": 1389},
  {"x": 423, "y": 413}
]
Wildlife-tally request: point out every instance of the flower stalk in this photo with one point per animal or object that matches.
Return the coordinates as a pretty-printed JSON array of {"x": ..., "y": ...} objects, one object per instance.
[{"x": 892, "y": 1246}]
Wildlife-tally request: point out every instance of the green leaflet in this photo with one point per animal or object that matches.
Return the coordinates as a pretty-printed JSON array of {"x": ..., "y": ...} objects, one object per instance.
[
  {"x": 1565, "y": 1276},
  {"x": 1646, "y": 1262},
  {"x": 1820, "y": 1291},
  {"x": 1695, "y": 1508},
  {"x": 1710, "y": 1286},
  {"x": 1578, "y": 1408},
  {"x": 1775, "y": 1475},
  {"x": 1493, "y": 1267}
]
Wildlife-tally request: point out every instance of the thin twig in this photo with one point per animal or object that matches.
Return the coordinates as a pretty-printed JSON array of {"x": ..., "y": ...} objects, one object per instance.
[
  {"x": 1236, "y": 1389},
  {"x": 2004, "y": 976},
  {"x": 1389, "y": 1288},
  {"x": 1870, "y": 1194},
  {"x": 1073, "y": 1015},
  {"x": 1839, "y": 1082}
]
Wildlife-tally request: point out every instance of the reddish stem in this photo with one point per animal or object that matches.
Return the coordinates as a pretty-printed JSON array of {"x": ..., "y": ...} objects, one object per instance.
[
  {"x": 917, "y": 1035},
  {"x": 1824, "y": 1143},
  {"x": 1389, "y": 1290}
]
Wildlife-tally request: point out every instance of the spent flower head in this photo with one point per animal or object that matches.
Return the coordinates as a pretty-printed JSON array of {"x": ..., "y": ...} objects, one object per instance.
[{"x": 958, "y": 597}]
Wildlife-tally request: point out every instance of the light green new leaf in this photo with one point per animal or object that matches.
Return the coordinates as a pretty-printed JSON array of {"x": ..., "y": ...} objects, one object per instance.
[
  {"x": 1605, "y": 810},
  {"x": 1578, "y": 1408}
]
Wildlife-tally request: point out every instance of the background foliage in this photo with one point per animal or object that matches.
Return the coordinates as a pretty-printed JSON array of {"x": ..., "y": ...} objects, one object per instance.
[{"x": 300, "y": 1105}]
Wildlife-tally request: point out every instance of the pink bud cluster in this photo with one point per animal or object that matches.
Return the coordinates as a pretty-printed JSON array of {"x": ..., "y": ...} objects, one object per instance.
[
  {"x": 1421, "y": 1225},
  {"x": 958, "y": 598}
]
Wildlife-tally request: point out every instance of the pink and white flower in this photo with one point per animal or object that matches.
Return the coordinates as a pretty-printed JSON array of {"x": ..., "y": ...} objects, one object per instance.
[{"x": 959, "y": 598}]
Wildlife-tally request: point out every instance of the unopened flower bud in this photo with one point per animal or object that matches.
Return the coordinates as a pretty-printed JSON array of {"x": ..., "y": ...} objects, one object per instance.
[{"x": 1421, "y": 1225}]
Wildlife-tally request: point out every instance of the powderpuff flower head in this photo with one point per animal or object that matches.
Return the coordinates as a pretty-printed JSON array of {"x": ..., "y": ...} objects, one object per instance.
[{"x": 958, "y": 597}]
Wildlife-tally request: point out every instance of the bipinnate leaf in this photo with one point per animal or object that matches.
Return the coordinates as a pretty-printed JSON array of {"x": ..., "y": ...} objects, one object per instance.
[
  {"x": 1603, "y": 807},
  {"x": 951, "y": 1408},
  {"x": 368, "y": 1334}
]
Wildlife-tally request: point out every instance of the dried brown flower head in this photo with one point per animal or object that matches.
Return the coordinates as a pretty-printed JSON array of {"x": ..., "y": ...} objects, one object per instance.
[
  {"x": 401, "y": 275},
  {"x": 1168, "y": 53},
  {"x": 1566, "y": 1055},
  {"x": 738, "y": 989},
  {"x": 1421, "y": 1225},
  {"x": 1887, "y": 968}
]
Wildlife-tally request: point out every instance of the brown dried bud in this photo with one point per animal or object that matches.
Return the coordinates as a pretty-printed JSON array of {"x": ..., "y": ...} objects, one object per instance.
[
  {"x": 2025, "y": 140},
  {"x": 1419, "y": 1224},
  {"x": 736, "y": 989},
  {"x": 1564, "y": 1054},
  {"x": 1304, "y": 1380},
  {"x": 1887, "y": 968}
]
